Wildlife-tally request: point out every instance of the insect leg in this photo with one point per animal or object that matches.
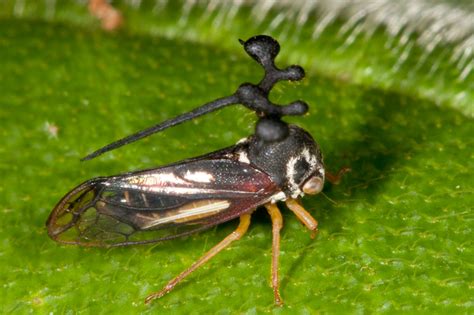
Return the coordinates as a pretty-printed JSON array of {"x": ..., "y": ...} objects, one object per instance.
[
  {"x": 237, "y": 234},
  {"x": 335, "y": 179},
  {"x": 303, "y": 215},
  {"x": 277, "y": 224}
]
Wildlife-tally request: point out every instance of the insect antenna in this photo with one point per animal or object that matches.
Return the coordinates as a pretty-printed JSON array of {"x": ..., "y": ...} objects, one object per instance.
[{"x": 264, "y": 50}]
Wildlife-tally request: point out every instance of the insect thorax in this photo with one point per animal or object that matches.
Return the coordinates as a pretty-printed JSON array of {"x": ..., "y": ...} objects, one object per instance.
[{"x": 290, "y": 162}]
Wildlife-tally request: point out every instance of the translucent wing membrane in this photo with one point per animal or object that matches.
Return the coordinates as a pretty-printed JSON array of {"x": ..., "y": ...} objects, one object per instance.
[{"x": 155, "y": 205}]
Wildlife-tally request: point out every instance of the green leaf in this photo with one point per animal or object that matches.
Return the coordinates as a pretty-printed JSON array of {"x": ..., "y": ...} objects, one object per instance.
[{"x": 395, "y": 236}]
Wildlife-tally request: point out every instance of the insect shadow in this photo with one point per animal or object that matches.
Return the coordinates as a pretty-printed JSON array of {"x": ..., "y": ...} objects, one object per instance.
[{"x": 393, "y": 128}]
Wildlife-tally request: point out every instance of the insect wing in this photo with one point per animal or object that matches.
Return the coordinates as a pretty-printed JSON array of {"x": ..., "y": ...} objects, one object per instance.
[{"x": 155, "y": 205}]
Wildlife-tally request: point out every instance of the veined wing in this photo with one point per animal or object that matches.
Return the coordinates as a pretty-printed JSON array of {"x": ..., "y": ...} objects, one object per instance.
[{"x": 159, "y": 204}]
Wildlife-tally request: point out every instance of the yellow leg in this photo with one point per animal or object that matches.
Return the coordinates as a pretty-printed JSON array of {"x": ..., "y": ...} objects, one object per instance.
[
  {"x": 303, "y": 216},
  {"x": 237, "y": 234},
  {"x": 277, "y": 224},
  {"x": 335, "y": 179}
]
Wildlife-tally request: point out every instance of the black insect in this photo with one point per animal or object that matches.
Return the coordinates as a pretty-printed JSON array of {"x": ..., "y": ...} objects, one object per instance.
[{"x": 280, "y": 162}]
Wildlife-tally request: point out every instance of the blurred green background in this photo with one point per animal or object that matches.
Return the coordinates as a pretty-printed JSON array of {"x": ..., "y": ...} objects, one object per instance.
[{"x": 395, "y": 236}]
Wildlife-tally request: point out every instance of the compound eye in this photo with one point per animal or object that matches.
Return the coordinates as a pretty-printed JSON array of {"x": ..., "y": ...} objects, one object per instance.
[{"x": 313, "y": 186}]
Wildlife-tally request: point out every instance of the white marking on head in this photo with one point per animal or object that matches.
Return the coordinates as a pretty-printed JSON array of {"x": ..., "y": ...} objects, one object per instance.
[
  {"x": 310, "y": 158},
  {"x": 291, "y": 170},
  {"x": 200, "y": 177},
  {"x": 290, "y": 173}
]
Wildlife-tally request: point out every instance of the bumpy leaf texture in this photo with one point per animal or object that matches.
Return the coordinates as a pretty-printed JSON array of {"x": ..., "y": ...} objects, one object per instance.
[{"x": 392, "y": 101}]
